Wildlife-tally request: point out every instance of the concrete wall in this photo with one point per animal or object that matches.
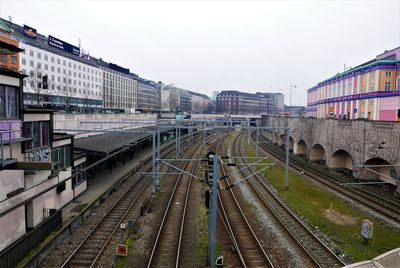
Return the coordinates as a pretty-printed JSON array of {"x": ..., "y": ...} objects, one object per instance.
[
  {"x": 12, "y": 227},
  {"x": 100, "y": 121},
  {"x": 362, "y": 140}
]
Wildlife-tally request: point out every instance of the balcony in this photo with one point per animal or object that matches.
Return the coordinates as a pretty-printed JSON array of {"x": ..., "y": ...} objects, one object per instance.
[{"x": 10, "y": 131}]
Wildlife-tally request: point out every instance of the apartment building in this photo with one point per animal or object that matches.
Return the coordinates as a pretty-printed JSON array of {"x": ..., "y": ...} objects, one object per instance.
[
  {"x": 120, "y": 87},
  {"x": 236, "y": 102},
  {"x": 35, "y": 165},
  {"x": 59, "y": 76},
  {"x": 368, "y": 91},
  {"x": 148, "y": 96}
]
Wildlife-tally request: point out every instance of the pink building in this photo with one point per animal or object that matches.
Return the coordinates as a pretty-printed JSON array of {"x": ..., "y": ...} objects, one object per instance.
[{"x": 369, "y": 91}]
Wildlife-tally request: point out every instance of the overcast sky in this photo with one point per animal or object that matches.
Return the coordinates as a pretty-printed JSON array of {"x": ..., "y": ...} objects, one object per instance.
[{"x": 207, "y": 46}]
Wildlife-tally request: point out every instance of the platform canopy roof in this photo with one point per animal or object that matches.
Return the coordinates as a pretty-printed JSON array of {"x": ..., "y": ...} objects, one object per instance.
[{"x": 113, "y": 141}]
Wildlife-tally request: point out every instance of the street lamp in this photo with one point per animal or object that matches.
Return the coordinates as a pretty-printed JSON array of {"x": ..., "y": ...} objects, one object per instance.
[{"x": 291, "y": 86}]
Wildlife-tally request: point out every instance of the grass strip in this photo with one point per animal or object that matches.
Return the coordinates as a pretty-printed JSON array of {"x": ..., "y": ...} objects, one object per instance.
[{"x": 337, "y": 218}]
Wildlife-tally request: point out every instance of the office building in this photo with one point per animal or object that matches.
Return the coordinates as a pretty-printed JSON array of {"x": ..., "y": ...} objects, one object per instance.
[
  {"x": 368, "y": 91},
  {"x": 120, "y": 87},
  {"x": 58, "y": 75}
]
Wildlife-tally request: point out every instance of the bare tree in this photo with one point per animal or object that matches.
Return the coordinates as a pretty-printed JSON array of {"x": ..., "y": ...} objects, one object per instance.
[
  {"x": 35, "y": 84},
  {"x": 67, "y": 92}
]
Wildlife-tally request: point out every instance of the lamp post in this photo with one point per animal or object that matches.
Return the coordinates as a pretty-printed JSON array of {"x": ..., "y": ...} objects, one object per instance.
[{"x": 291, "y": 86}]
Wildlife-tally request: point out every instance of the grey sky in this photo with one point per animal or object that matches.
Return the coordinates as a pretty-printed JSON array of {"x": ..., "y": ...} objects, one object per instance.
[{"x": 207, "y": 46}]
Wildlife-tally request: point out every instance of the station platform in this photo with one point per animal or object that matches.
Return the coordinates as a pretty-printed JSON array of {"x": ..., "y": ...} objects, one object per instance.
[
  {"x": 386, "y": 260},
  {"x": 100, "y": 183}
]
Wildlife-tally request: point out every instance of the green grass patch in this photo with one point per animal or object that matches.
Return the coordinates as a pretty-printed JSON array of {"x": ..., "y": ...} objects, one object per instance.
[
  {"x": 202, "y": 219},
  {"x": 121, "y": 260},
  {"x": 332, "y": 215}
]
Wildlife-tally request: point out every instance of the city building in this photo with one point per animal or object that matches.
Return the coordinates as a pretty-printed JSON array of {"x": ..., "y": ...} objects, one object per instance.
[
  {"x": 35, "y": 163},
  {"x": 174, "y": 98},
  {"x": 9, "y": 59},
  {"x": 275, "y": 102},
  {"x": 148, "y": 95},
  {"x": 295, "y": 110},
  {"x": 120, "y": 87},
  {"x": 368, "y": 91},
  {"x": 59, "y": 76},
  {"x": 208, "y": 105},
  {"x": 214, "y": 95},
  {"x": 236, "y": 102},
  {"x": 169, "y": 98}
]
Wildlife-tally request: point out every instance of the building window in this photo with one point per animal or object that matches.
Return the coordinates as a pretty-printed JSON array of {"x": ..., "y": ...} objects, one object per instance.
[
  {"x": 3, "y": 57},
  {"x": 39, "y": 131},
  {"x": 388, "y": 74},
  {"x": 52, "y": 68},
  {"x": 31, "y": 63},
  {"x": 61, "y": 157},
  {"x": 39, "y": 65},
  {"x": 81, "y": 176},
  {"x": 387, "y": 86},
  {"x": 9, "y": 105},
  {"x": 31, "y": 53},
  {"x": 46, "y": 58},
  {"x": 46, "y": 67},
  {"x": 23, "y": 61},
  {"x": 39, "y": 55},
  {"x": 398, "y": 83},
  {"x": 52, "y": 59},
  {"x": 13, "y": 59},
  {"x": 64, "y": 63}
]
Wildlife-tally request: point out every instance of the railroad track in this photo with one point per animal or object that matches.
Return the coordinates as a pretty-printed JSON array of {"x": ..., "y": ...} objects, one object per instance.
[
  {"x": 245, "y": 240},
  {"x": 314, "y": 250},
  {"x": 389, "y": 208},
  {"x": 167, "y": 248},
  {"x": 88, "y": 252}
]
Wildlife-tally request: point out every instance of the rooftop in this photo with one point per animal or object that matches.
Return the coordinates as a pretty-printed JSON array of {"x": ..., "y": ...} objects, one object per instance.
[{"x": 113, "y": 141}]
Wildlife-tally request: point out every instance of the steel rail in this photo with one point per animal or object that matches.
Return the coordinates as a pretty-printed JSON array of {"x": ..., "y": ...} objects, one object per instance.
[
  {"x": 245, "y": 253},
  {"x": 166, "y": 151},
  {"x": 168, "y": 209},
  {"x": 310, "y": 250},
  {"x": 367, "y": 198}
]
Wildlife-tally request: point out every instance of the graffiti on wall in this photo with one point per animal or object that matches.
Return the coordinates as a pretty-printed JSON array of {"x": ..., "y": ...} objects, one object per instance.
[{"x": 39, "y": 155}]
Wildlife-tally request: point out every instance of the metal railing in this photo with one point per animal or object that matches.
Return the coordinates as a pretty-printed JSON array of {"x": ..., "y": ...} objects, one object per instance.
[
  {"x": 8, "y": 137},
  {"x": 16, "y": 252}
]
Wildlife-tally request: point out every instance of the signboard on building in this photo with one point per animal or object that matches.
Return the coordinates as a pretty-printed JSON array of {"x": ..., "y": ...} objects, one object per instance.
[
  {"x": 122, "y": 250},
  {"x": 85, "y": 54},
  {"x": 30, "y": 32},
  {"x": 54, "y": 42},
  {"x": 355, "y": 110}
]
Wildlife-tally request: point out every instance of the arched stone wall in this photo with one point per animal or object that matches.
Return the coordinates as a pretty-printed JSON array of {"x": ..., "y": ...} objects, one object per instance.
[{"x": 341, "y": 159}]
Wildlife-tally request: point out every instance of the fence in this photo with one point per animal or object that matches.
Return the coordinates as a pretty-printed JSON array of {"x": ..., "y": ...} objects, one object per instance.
[{"x": 15, "y": 253}]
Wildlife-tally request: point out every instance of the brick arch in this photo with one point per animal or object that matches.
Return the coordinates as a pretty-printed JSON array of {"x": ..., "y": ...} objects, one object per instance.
[
  {"x": 341, "y": 159},
  {"x": 300, "y": 147},
  {"x": 317, "y": 153},
  {"x": 291, "y": 143},
  {"x": 379, "y": 169}
]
